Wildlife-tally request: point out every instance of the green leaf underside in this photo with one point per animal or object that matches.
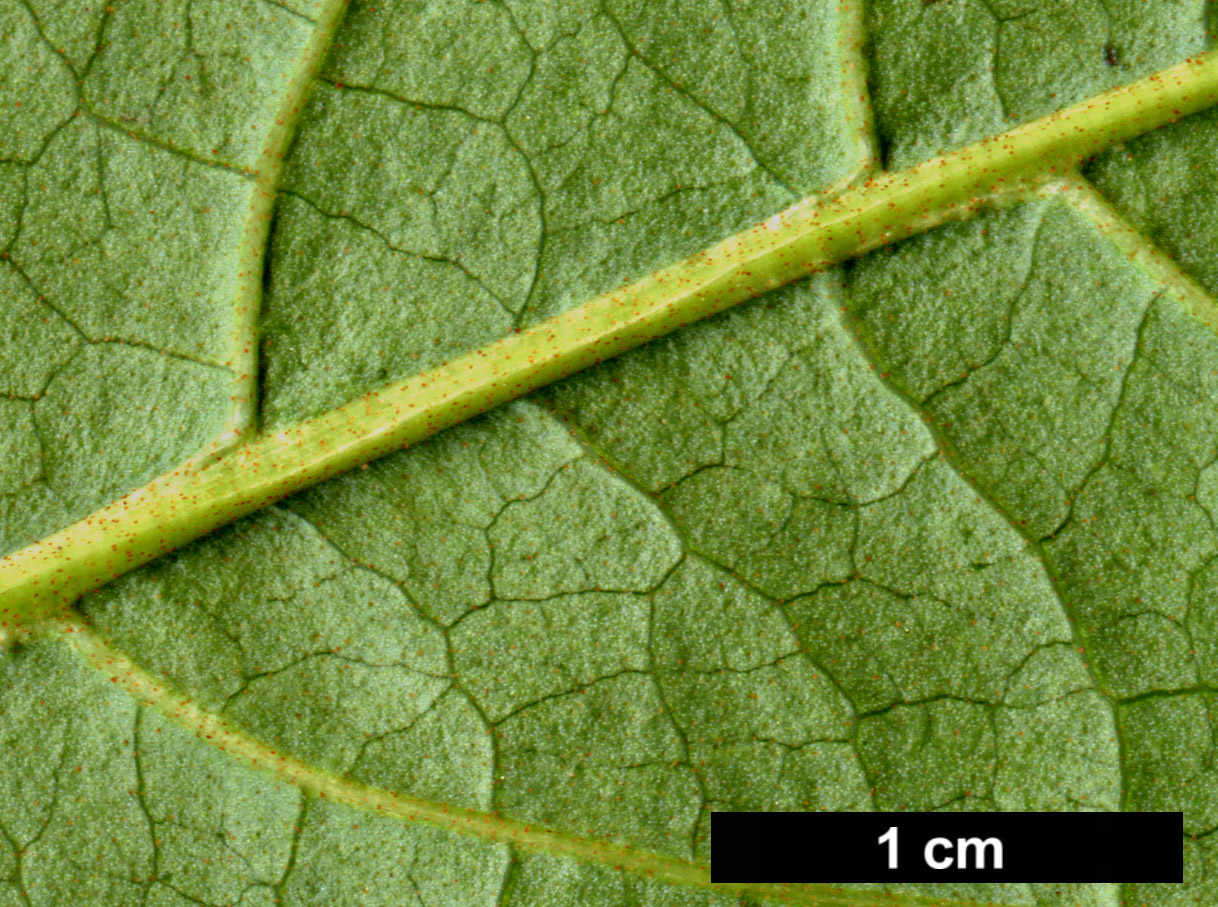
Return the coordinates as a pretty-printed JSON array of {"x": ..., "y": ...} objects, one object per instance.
[{"x": 933, "y": 530}]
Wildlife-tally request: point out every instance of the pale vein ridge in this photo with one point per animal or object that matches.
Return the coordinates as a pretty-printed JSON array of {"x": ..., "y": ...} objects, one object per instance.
[
  {"x": 46, "y": 577},
  {"x": 1086, "y": 199},
  {"x": 854, "y": 86},
  {"x": 256, "y": 230},
  {"x": 218, "y": 732}
]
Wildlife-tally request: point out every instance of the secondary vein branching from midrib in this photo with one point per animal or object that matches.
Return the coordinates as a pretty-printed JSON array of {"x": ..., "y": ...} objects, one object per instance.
[
  {"x": 216, "y": 731},
  {"x": 251, "y": 253}
]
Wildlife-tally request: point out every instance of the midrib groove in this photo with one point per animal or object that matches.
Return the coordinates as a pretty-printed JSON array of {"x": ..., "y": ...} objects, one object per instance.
[{"x": 216, "y": 731}]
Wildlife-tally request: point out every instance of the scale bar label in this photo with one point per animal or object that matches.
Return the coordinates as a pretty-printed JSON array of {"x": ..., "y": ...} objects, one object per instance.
[{"x": 947, "y": 847}]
